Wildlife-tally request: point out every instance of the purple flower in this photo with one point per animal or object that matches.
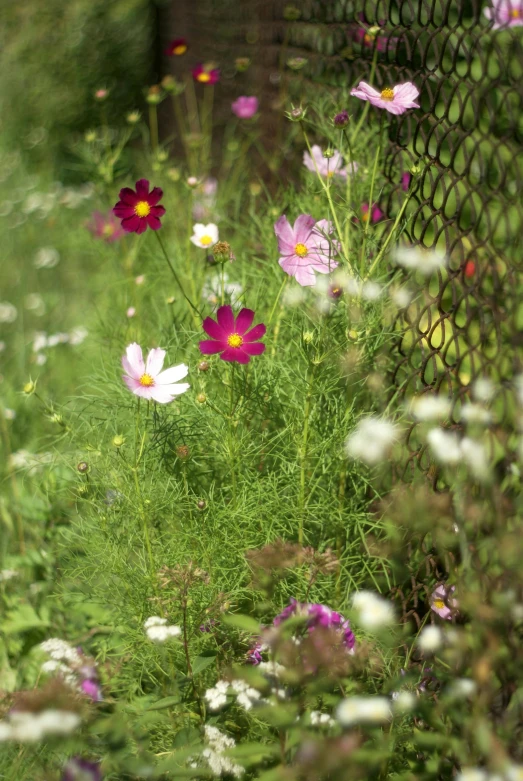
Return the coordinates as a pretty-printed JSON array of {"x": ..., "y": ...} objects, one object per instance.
[
  {"x": 505, "y": 13},
  {"x": 327, "y": 167},
  {"x": 105, "y": 226},
  {"x": 395, "y": 100},
  {"x": 318, "y": 616},
  {"x": 254, "y": 654},
  {"x": 92, "y": 690},
  {"x": 405, "y": 180},
  {"x": 245, "y": 107},
  {"x": 78, "y": 769},
  {"x": 442, "y": 603},
  {"x": 375, "y": 213},
  {"x": 342, "y": 119},
  {"x": 306, "y": 248}
]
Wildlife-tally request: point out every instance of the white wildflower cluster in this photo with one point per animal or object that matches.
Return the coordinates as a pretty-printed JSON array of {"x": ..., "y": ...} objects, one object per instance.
[
  {"x": 61, "y": 651},
  {"x": 29, "y": 727},
  {"x": 32, "y": 462},
  {"x": 363, "y": 710},
  {"x": 403, "y": 702},
  {"x": 8, "y": 574},
  {"x": 246, "y": 696},
  {"x": 212, "y": 291},
  {"x": 371, "y": 440},
  {"x": 272, "y": 669},
  {"x": 418, "y": 259},
  {"x": 448, "y": 448},
  {"x": 429, "y": 407},
  {"x": 401, "y": 296},
  {"x": 217, "y": 695},
  {"x": 474, "y": 413},
  {"x": 373, "y": 611},
  {"x": 218, "y": 743},
  {"x": 319, "y": 719},
  {"x": 158, "y": 630},
  {"x": 8, "y": 312},
  {"x": 41, "y": 341}
]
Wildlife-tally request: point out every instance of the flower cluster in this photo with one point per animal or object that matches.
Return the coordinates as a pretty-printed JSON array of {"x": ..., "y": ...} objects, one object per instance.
[
  {"x": 158, "y": 630},
  {"x": 73, "y": 666}
]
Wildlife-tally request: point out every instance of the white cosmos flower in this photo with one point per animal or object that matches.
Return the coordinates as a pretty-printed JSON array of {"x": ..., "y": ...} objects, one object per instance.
[
  {"x": 475, "y": 413},
  {"x": 205, "y": 236},
  {"x": 430, "y": 640},
  {"x": 158, "y": 630},
  {"x": 444, "y": 445},
  {"x": 28, "y": 727},
  {"x": 418, "y": 259},
  {"x": 373, "y": 611},
  {"x": 371, "y": 440},
  {"x": 47, "y": 257},
  {"x": 430, "y": 407},
  {"x": 8, "y": 312},
  {"x": 363, "y": 710}
]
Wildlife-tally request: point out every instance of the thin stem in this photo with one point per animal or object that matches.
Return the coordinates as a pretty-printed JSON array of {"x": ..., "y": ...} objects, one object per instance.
[
  {"x": 232, "y": 435},
  {"x": 175, "y": 275},
  {"x": 14, "y": 484},
  {"x": 137, "y": 457},
  {"x": 304, "y": 454},
  {"x": 371, "y": 200},
  {"x": 207, "y": 105},
  {"x": 280, "y": 291},
  {"x": 223, "y": 283},
  {"x": 153, "y": 126},
  {"x": 350, "y": 175},
  {"x": 180, "y": 121},
  {"x": 389, "y": 237},
  {"x": 367, "y": 105}
]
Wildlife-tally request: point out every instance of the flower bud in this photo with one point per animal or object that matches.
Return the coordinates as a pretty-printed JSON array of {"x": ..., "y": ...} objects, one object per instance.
[
  {"x": 118, "y": 440},
  {"x": 133, "y": 117},
  {"x": 29, "y": 388},
  {"x": 328, "y": 153},
  {"x": 291, "y": 13},
  {"x": 183, "y": 452},
  {"x": 154, "y": 95},
  {"x": 201, "y": 504},
  {"x": 255, "y": 188},
  {"x": 171, "y": 85},
  {"x": 174, "y": 174},
  {"x": 308, "y": 337},
  {"x": 90, "y": 136},
  {"x": 101, "y": 94},
  {"x": 192, "y": 181},
  {"x": 297, "y": 63},
  {"x": 296, "y": 114},
  {"x": 342, "y": 119},
  {"x": 82, "y": 467},
  {"x": 204, "y": 366},
  {"x": 201, "y": 398},
  {"x": 222, "y": 252},
  {"x": 242, "y": 63}
]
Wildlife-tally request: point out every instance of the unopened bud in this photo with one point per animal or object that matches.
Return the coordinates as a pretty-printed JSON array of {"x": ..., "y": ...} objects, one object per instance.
[
  {"x": 174, "y": 174},
  {"x": 201, "y": 504},
  {"x": 192, "y": 181},
  {"x": 82, "y": 467},
  {"x": 29, "y": 388},
  {"x": 201, "y": 398},
  {"x": 133, "y": 117},
  {"x": 221, "y": 252},
  {"x": 204, "y": 366},
  {"x": 90, "y": 136},
  {"x": 342, "y": 119},
  {"x": 296, "y": 114},
  {"x": 183, "y": 452},
  {"x": 101, "y": 94},
  {"x": 328, "y": 153},
  {"x": 291, "y": 13},
  {"x": 297, "y": 63},
  {"x": 162, "y": 156},
  {"x": 172, "y": 86},
  {"x": 154, "y": 95},
  {"x": 255, "y": 188},
  {"x": 242, "y": 63},
  {"x": 308, "y": 337},
  {"x": 118, "y": 440}
]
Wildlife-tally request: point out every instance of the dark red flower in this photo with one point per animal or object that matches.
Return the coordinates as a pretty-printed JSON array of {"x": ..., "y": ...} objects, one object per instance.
[
  {"x": 206, "y": 74},
  {"x": 231, "y": 337},
  {"x": 470, "y": 269},
  {"x": 177, "y": 47},
  {"x": 139, "y": 210}
]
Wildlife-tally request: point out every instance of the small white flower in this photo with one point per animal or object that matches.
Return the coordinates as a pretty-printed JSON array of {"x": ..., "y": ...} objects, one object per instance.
[
  {"x": 475, "y": 456},
  {"x": 77, "y": 335},
  {"x": 472, "y": 774},
  {"x": 9, "y": 414},
  {"x": 272, "y": 669},
  {"x": 56, "y": 339},
  {"x": 47, "y": 257},
  {"x": 204, "y": 236},
  {"x": 371, "y": 440},
  {"x": 7, "y": 574},
  {"x": 401, "y": 296},
  {"x": 483, "y": 389},
  {"x": 363, "y": 710},
  {"x": 8, "y": 312},
  {"x": 514, "y": 773},
  {"x": 29, "y": 727},
  {"x": 475, "y": 413},
  {"x": 371, "y": 291},
  {"x": 35, "y": 303},
  {"x": 319, "y": 719},
  {"x": 444, "y": 445},
  {"x": 417, "y": 259},
  {"x": 217, "y": 696},
  {"x": 61, "y": 651},
  {"x": 218, "y": 743},
  {"x": 373, "y": 611},
  {"x": 404, "y": 702},
  {"x": 212, "y": 290},
  {"x": 462, "y": 688},
  {"x": 40, "y": 359},
  {"x": 430, "y": 407},
  {"x": 39, "y": 341},
  {"x": 246, "y": 696},
  {"x": 158, "y": 630},
  {"x": 430, "y": 640}
]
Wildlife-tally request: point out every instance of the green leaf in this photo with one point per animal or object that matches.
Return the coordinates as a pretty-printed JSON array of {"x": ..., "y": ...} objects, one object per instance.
[
  {"x": 200, "y": 663},
  {"x": 240, "y": 621},
  {"x": 22, "y": 619},
  {"x": 165, "y": 702}
]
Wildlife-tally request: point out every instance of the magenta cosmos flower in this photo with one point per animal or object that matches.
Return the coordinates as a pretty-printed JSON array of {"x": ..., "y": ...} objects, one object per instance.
[
  {"x": 176, "y": 48},
  {"x": 139, "y": 210},
  {"x": 306, "y": 248},
  {"x": 105, "y": 226},
  {"x": 245, "y": 107},
  {"x": 206, "y": 74},
  {"x": 375, "y": 213},
  {"x": 148, "y": 380},
  {"x": 318, "y": 615},
  {"x": 231, "y": 337},
  {"x": 441, "y": 601},
  {"x": 327, "y": 166},
  {"x": 396, "y": 99},
  {"x": 505, "y": 13}
]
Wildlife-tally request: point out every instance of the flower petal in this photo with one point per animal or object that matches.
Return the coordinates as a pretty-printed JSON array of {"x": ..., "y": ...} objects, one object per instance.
[
  {"x": 173, "y": 374},
  {"x": 303, "y": 227},
  {"x": 123, "y": 210},
  {"x": 210, "y": 347},
  {"x": 212, "y": 328},
  {"x": 153, "y": 222},
  {"x": 128, "y": 196},
  {"x": 154, "y": 196},
  {"x": 254, "y": 349},
  {"x": 305, "y": 276},
  {"x": 155, "y": 361},
  {"x": 284, "y": 232},
  {"x": 142, "y": 188},
  {"x": 157, "y": 211},
  {"x": 235, "y": 354},
  {"x": 255, "y": 333},
  {"x": 164, "y": 394},
  {"x": 243, "y": 321},
  {"x": 225, "y": 318},
  {"x": 136, "y": 388},
  {"x": 132, "y": 361}
]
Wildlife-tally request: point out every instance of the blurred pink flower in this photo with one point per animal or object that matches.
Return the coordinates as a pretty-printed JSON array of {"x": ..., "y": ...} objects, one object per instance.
[
  {"x": 231, "y": 336},
  {"x": 326, "y": 166},
  {"x": 505, "y": 13},
  {"x": 177, "y": 47},
  {"x": 306, "y": 248},
  {"x": 396, "y": 99},
  {"x": 442, "y": 603},
  {"x": 245, "y": 107},
  {"x": 375, "y": 213},
  {"x": 131, "y": 311},
  {"x": 105, "y": 226},
  {"x": 206, "y": 74},
  {"x": 405, "y": 180},
  {"x": 148, "y": 380}
]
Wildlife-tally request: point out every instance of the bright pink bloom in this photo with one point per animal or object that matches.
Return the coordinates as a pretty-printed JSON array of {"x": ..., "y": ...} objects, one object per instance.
[
  {"x": 327, "y": 166},
  {"x": 441, "y": 601},
  {"x": 405, "y": 181},
  {"x": 245, "y": 107},
  {"x": 375, "y": 213},
  {"x": 396, "y": 99},
  {"x": 230, "y": 336},
  {"x": 139, "y": 210},
  {"x": 318, "y": 616},
  {"x": 505, "y": 13},
  {"x": 105, "y": 226},
  {"x": 177, "y": 47},
  {"x": 148, "y": 380},
  {"x": 306, "y": 248},
  {"x": 206, "y": 74}
]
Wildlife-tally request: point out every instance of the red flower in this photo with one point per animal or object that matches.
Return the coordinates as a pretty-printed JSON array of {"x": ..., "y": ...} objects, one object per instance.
[
  {"x": 139, "y": 210},
  {"x": 177, "y": 47},
  {"x": 230, "y": 336},
  {"x": 470, "y": 269},
  {"x": 206, "y": 74}
]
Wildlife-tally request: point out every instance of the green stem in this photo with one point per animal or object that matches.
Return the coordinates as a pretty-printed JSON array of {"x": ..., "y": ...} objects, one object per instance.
[
  {"x": 223, "y": 283},
  {"x": 153, "y": 126},
  {"x": 180, "y": 121},
  {"x": 389, "y": 237},
  {"x": 367, "y": 105},
  {"x": 371, "y": 200},
  {"x": 137, "y": 456},
  {"x": 232, "y": 436},
  {"x": 304, "y": 453},
  {"x": 350, "y": 175},
  {"x": 14, "y": 485},
  {"x": 280, "y": 291},
  {"x": 175, "y": 275}
]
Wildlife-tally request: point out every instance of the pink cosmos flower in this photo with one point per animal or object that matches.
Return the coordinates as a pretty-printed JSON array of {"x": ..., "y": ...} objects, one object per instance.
[
  {"x": 327, "y": 166},
  {"x": 505, "y": 13},
  {"x": 148, "y": 380},
  {"x": 139, "y": 210},
  {"x": 206, "y": 74},
  {"x": 245, "y": 107},
  {"x": 306, "y": 248},
  {"x": 177, "y": 47},
  {"x": 105, "y": 226},
  {"x": 230, "y": 336},
  {"x": 442, "y": 603},
  {"x": 396, "y": 99},
  {"x": 405, "y": 181},
  {"x": 375, "y": 213}
]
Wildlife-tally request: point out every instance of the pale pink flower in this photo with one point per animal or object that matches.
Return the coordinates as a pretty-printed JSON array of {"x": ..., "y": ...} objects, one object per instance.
[
  {"x": 245, "y": 107},
  {"x": 327, "y": 166},
  {"x": 306, "y": 248},
  {"x": 442, "y": 603},
  {"x": 396, "y": 99},
  {"x": 131, "y": 311},
  {"x": 148, "y": 380},
  {"x": 505, "y": 13}
]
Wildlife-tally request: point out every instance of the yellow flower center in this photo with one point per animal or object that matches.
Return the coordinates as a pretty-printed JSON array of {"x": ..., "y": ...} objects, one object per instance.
[
  {"x": 387, "y": 94},
  {"x": 142, "y": 209},
  {"x": 515, "y": 13},
  {"x": 146, "y": 381},
  {"x": 108, "y": 230},
  {"x": 365, "y": 216},
  {"x": 335, "y": 291},
  {"x": 206, "y": 240},
  {"x": 300, "y": 250},
  {"x": 180, "y": 49},
  {"x": 330, "y": 173},
  {"x": 235, "y": 340},
  {"x": 203, "y": 77},
  {"x": 439, "y": 604},
  {"x": 368, "y": 38}
]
